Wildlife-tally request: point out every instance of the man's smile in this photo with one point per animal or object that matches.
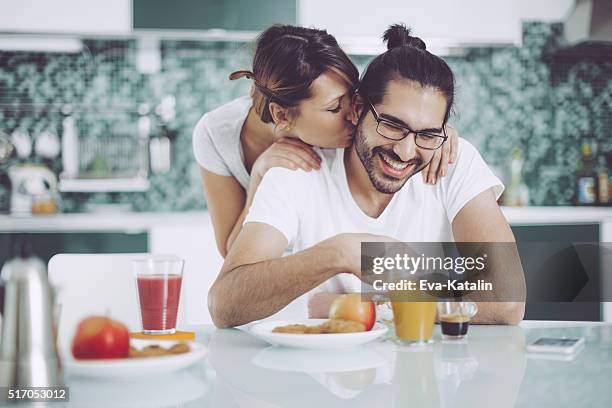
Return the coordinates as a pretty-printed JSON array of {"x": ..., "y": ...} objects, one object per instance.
[{"x": 395, "y": 168}]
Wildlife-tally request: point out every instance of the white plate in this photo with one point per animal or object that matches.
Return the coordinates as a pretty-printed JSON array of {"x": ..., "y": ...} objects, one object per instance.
[
  {"x": 313, "y": 341},
  {"x": 134, "y": 367}
]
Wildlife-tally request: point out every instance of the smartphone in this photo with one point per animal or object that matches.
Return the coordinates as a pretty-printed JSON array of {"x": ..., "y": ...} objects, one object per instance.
[{"x": 558, "y": 345}]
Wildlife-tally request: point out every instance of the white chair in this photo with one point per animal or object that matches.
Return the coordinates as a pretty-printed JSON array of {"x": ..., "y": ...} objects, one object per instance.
[{"x": 97, "y": 284}]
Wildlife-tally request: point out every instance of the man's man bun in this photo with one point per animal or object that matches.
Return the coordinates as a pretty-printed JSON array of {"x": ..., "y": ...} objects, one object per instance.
[{"x": 398, "y": 35}]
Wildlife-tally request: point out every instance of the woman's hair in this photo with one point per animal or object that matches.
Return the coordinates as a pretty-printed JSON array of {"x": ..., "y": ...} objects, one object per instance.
[
  {"x": 407, "y": 58},
  {"x": 287, "y": 60}
]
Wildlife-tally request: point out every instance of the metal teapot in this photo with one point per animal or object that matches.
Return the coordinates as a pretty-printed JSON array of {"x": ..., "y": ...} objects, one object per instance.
[{"x": 28, "y": 349}]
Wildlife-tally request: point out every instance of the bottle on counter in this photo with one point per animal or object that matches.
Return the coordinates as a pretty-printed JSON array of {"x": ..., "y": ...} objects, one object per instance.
[
  {"x": 517, "y": 192},
  {"x": 70, "y": 145},
  {"x": 603, "y": 188},
  {"x": 586, "y": 177}
]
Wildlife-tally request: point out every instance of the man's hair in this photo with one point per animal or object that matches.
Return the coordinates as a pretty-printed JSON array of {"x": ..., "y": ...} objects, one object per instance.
[{"x": 407, "y": 58}]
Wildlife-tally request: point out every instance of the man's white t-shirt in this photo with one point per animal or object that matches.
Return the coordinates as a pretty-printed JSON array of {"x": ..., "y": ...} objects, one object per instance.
[{"x": 309, "y": 207}]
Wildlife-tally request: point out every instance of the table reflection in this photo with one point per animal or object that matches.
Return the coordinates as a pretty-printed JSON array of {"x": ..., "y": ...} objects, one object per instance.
[
  {"x": 173, "y": 389},
  {"x": 482, "y": 371}
]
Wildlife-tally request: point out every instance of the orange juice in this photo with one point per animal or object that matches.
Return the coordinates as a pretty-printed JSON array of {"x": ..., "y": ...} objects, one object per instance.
[{"x": 414, "y": 320}]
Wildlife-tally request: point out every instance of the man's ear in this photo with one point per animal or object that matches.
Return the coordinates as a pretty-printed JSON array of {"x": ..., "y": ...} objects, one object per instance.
[
  {"x": 356, "y": 108},
  {"x": 280, "y": 115}
]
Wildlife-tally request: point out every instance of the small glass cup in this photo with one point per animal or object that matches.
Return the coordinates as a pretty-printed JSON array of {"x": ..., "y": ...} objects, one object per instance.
[
  {"x": 455, "y": 318},
  {"x": 158, "y": 281}
]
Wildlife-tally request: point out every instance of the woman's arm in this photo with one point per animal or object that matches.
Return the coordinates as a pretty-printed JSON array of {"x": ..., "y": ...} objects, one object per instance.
[
  {"x": 254, "y": 183},
  {"x": 225, "y": 199},
  {"x": 228, "y": 205}
]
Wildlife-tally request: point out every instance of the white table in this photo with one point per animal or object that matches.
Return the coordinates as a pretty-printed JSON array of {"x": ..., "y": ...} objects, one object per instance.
[{"x": 490, "y": 369}]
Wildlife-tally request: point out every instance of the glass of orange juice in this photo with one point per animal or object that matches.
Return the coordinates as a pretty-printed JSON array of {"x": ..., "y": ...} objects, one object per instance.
[{"x": 414, "y": 315}]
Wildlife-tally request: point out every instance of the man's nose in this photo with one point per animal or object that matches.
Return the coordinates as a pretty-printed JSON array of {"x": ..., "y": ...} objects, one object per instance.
[{"x": 405, "y": 148}]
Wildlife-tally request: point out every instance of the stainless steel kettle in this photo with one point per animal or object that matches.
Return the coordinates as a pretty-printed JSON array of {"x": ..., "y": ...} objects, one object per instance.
[{"x": 28, "y": 349}]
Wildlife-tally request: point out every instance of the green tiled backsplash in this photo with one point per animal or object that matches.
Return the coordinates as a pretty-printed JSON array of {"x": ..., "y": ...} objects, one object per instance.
[{"x": 507, "y": 97}]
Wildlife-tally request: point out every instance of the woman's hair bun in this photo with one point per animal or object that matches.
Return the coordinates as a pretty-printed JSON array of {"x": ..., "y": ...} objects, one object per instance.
[{"x": 398, "y": 35}]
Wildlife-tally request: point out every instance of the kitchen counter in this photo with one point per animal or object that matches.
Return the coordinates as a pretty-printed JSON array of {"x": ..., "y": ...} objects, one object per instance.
[
  {"x": 491, "y": 368},
  {"x": 119, "y": 221},
  {"x": 557, "y": 215},
  {"x": 143, "y": 221}
]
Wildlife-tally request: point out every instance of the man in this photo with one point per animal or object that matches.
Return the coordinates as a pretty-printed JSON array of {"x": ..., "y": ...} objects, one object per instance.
[{"x": 366, "y": 193}]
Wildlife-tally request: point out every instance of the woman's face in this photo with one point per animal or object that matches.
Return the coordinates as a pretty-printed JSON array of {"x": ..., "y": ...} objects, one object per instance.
[{"x": 323, "y": 119}]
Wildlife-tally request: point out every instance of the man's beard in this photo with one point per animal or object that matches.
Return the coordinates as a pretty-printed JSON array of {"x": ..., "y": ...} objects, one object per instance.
[{"x": 370, "y": 156}]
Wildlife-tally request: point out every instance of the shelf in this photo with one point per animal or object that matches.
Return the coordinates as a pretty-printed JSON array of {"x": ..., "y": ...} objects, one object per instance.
[{"x": 103, "y": 185}]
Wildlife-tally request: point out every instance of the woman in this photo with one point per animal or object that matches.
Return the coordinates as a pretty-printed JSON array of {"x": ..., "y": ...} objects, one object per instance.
[{"x": 302, "y": 87}]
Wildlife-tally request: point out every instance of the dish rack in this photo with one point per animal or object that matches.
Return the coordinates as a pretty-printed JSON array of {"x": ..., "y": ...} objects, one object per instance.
[
  {"x": 112, "y": 156},
  {"x": 101, "y": 113}
]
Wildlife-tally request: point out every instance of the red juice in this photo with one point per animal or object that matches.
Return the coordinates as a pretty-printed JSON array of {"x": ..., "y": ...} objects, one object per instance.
[{"x": 159, "y": 300}]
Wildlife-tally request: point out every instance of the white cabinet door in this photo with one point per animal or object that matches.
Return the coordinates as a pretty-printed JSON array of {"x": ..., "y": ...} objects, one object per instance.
[
  {"x": 439, "y": 22},
  {"x": 66, "y": 16},
  {"x": 434, "y": 19},
  {"x": 196, "y": 244}
]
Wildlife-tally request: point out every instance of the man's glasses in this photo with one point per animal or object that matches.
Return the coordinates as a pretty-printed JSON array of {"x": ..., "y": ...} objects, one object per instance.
[{"x": 397, "y": 132}]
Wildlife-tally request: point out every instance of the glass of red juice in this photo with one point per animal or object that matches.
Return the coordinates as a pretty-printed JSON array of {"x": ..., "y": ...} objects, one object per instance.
[{"x": 158, "y": 281}]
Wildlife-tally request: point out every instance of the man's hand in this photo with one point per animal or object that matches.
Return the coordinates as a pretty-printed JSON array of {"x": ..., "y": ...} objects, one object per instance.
[
  {"x": 348, "y": 247},
  {"x": 319, "y": 304}
]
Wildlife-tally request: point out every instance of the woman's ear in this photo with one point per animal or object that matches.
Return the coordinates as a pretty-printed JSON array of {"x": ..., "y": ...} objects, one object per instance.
[
  {"x": 356, "y": 108},
  {"x": 280, "y": 115}
]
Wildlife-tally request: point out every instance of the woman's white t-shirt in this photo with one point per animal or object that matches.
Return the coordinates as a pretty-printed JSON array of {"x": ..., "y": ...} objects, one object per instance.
[{"x": 216, "y": 140}]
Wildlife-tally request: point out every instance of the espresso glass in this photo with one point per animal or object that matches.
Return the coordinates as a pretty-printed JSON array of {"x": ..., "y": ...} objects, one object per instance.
[{"x": 455, "y": 318}]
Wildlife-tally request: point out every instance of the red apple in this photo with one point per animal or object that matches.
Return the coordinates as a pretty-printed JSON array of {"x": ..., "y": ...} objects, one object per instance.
[
  {"x": 100, "y": 337},
  {"x": 351, "y": 307}
]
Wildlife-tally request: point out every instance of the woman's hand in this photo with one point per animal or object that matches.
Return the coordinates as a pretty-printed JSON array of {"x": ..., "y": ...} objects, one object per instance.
[
  {"x": 443, "y": 156},
  {"x": 286, "y": 152}
]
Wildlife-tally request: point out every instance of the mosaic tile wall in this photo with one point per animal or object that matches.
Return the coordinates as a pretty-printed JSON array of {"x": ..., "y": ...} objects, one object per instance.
[
  {"x": 507, "y": 97},
  {"x": 517, "y": 97}
]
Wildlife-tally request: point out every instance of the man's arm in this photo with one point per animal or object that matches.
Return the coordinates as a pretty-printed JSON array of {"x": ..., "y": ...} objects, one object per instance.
[
  {"x": 255, "y": 281},
  {"x": 481, "y": 220}
]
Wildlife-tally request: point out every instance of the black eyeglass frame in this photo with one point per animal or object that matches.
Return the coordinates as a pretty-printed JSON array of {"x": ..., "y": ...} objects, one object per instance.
[{"x": 406, "y": 129}]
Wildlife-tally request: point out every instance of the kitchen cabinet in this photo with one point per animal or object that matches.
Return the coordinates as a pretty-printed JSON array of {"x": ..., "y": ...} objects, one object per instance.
[
  {"x": 47, "y": 244},
  {"x": 587, "y": 257},
  {"x": 66, "y": 16},
  {"x": 436, "y": 19},
  {"x": 358, "y": 24},
  {"x": 189, "y": 236},
  {"x": 237, "y": 15}
]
